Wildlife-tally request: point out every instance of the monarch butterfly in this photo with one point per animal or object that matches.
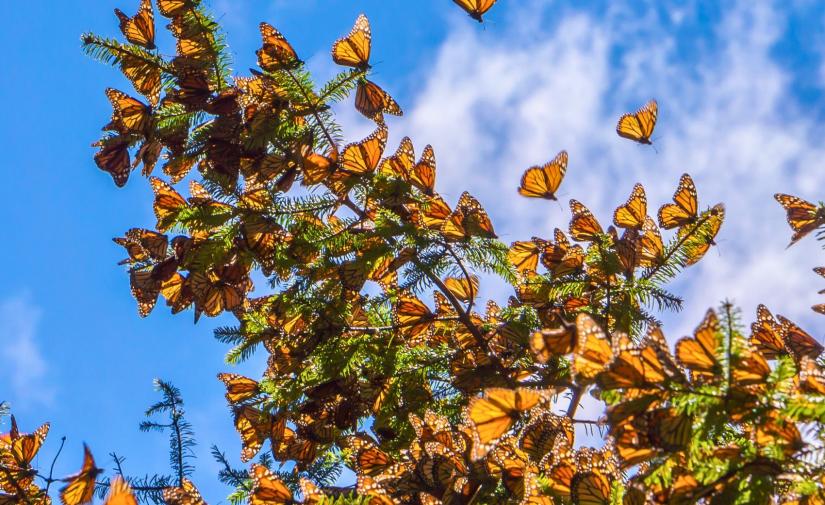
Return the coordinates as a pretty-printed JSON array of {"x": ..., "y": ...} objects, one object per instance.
[
  {"x": 120, "y": 493},
  {"x": 803, "y": 216},
  {"x": 186, "y": 494},
  {"x": 276, "y": 53},
  {"x": 766, "y": 334},
  {"x": 312, "y": 495},
  {"x": 811, "y": 376},
  {"x": 113, "y": 158},
  {"x": 495, "y": 412},
  {"x": 354, "y": 49},
  {"x": 538, "y": 437},
  {"x": 798, "y": 341},
  {"x": 172, "y": 8},
  {"x": 699, "y": 353},
  {"x": 400, "y": 163},
  {"x": 369, "y": 459},
  {"x": 524, "y": 255},
  {"x": 139, "y": 29},
  {"x": 774, "y": 430},
  {"x": 549, "y": 343},
  {"x": 362, "y": 157},
  {"x": 373, "y": 102},
  {"x": 141, "y": 245},
  {"x": 463, "y": 289},
  {"x": 749, "y": 367},
  {"x": 592, "y": 351},
  {"x": 144, "y": 75},
  {"x": 145, "y": 289},
  {"x": 636, "y": 368},
  {"x": 649, "y": 245},
  {"x": 634, "y": 212},
  {"x": 168, "y": 204},
  {"x": 533, "y": 494},
  {"x": 219, "y": 290},
  {"x": 685, "y": 207},
  {"x": 254, "y": 428},
  {"x": 22, "y": 447},
  {"x": 238, "y": 387},
  {"x": 584, "y": 227},
  {"x": 590, "y": 488},
  {"x": 413, "y": 318},
  {"x": 268, "y": 489},
  {"x": 544, "y": 181},
  {"x": 698, "y": 245},
  {"x": 316, "y": 168},
  {"x": 639, "y": 125},
  {"x": 130, "y": 115},
  {"x": 475, "y": 8},
  {"x": 422, "y": 174},
  {"x": 81, "y": 487},
  {"x": 469, "y": 219}
]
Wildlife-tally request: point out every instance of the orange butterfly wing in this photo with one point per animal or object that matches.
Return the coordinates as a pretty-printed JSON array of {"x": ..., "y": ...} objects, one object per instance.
[
  {"x": 544, "y": 181},
  {"x": 373, "y": 102},
  {"x": 633, "y": 213},
  {"x": 354, "y": 49},
  {"x": 139, "y": 29},
  {"x": 639, "y": 125}
]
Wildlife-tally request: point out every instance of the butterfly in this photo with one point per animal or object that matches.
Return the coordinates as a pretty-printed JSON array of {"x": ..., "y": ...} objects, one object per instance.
[
  {"x": 130, "y": 115},
  {"x": 368, "y": 458},
  {"x": 113, "y": 158},
  {"x": 538, "y": 437},
  {"x": 186, "y": 494},
  {"x": 592, "y": 351},
  {"x": 637, "y": 368},
  {"x": 698, "y": 245},
  {"x": 590, "y": 488},
  {"x": 811, "y": 376},
  {"x": 413, "y": 318},
  {"x": 145, "y": 75},
  {"x": 267, "y": 489},
  {"x": 238, "y": 387},
  {"x": 649, "y": 246},
  {"x": 255, "y": 427},
  {"x": 524, "y": 255},
  {"x": 698, "y": 354},
  {"x": 798, "y": 341},
  {"x": 354, "y": 49},
  {"x": 495, "y": 412},
  {"x": 276, "y": 53},
  {"x": 803, "y": 216},
  {"x": 544, "y": 181},
  {"x": 168, "y": 204},
  {"x": 81, "y": 487},
  {"x": 120, "y": 493},
  {"x": 139, "y": 29},
  {"x": 475, "y": 8},
  {"x": 766, "y": 334},
  {"x": 685, "y": 207},
  {"x": 469, "y": 219},
  {"x": 633, "y": 213},
  {"x": 362, "y": 157},
  {"x": 17, "y": 451},
  {"x": 219, "y": 289},
  {"x": 548, "y": 343},
  {"x": 560, "y": 257},
  {"x": 583, "y": 226},
  {"x": 172, "y": 8},
  {"x": 639, "y": 125},
  {"x": 463, "y": 289},
  {"x": 373, "y": 102}
]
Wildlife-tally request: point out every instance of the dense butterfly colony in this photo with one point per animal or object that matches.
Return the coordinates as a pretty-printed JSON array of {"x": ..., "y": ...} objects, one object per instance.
[{"x": 450, "y": 402}]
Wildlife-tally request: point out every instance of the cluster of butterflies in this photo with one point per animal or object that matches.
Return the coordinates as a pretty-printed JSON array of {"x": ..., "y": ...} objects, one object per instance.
[
  {"x": 18, "y": 484},
  {"x": 640, "y": 245}
]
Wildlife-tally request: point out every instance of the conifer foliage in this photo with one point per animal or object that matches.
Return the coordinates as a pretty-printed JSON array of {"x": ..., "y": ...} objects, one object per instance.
[{"x": 428, "y": 399}]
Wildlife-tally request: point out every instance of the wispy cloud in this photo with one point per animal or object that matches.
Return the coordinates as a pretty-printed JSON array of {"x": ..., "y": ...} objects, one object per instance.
[
  {"x": 23, "y": 365},
  {"x": 495, "y": 102}
]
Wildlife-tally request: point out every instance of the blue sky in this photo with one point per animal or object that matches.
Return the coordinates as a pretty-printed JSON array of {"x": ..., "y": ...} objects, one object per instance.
[{"x": 740, "y": 87}]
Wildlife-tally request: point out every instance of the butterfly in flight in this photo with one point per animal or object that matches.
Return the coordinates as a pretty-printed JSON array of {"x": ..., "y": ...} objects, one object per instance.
[
  {"x": 354, "y": 49},
  {"x": 544, "y": 181},
  {"x": 803, "y": 216},
  {"x": 476, "y": 8},
  {"x": 639, "y": 125}
]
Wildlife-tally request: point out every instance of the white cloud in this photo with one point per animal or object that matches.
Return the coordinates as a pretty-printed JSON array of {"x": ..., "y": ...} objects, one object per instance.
[
  {"x": 498, "y": 101},
  {"x": 24, "y": 367}
]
